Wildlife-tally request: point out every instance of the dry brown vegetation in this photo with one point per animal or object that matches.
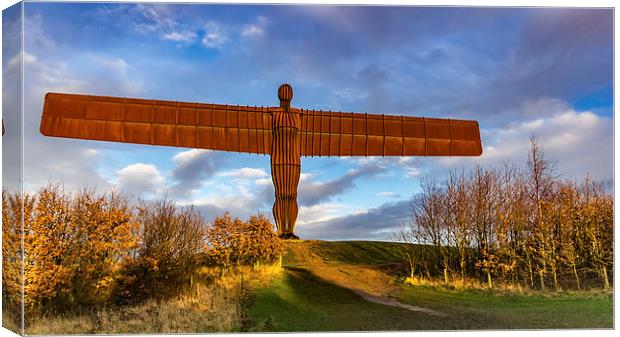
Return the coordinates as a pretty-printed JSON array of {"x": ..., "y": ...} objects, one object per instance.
[
  {"x": 520, "y": 228},
  {"x": 87, "y": 254}
]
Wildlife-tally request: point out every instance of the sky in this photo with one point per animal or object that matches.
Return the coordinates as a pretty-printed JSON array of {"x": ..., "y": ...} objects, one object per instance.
[{"x": 518, "y": 71}]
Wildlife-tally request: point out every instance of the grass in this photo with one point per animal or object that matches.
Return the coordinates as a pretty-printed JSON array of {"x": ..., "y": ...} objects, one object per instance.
[
  {"x": 345, "y": 252},
  {"x": 486, "y": 309},
  {"x": 300, "y": 301},
  {"x": 203, "y": 309},
  {"x": 318, "y": 290},
  {"x": 213, "y": 304},
  {"x": 316, "y": 294}
]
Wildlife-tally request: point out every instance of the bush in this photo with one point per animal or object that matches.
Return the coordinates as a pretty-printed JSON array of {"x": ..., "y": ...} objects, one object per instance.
[
  {"x": 234, "y": 242},
  {"x": 172, "y": 240}
]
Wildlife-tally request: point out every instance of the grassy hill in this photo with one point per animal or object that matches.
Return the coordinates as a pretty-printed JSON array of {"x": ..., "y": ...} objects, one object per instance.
[
  {"x": 333, "y": 286},
  {"x": 355, "y": 286}
]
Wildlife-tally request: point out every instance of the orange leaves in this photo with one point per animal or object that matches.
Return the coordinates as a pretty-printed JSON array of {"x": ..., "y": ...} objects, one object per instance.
[
  {"x": 235, "y": 242},
  {"x": 73, "y": 244}
]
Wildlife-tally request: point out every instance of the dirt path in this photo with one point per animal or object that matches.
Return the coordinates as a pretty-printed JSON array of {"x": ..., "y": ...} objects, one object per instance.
[{"x": 394, "y": 303}]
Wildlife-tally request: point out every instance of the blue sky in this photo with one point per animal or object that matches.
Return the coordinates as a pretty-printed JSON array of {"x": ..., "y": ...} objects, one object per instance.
[{"x": 517, "y": 71}]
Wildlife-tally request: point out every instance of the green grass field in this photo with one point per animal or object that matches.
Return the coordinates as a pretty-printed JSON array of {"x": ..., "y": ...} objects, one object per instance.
[{"x": 302, "y": 298}]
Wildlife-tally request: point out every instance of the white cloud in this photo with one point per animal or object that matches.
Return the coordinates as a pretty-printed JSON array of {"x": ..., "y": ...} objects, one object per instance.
[
  {"x": 139, "y": 179},
  {"x": 35, "y": 34},
  {"x": 152, "y": 17},
  {"x": 581, "y": 142},
  {"x": 252, "y": 30},
  {"x": 412, "y": 172},
  {"x": 263, "y": 182},
  {"x": 214, "y": 37},
  {"x": 319, "y": 213},
  {"x": 245, "y": 173},
  {"x": 189, "y": 155},
  {"x": 184, "y": 36},
  {"x": 256, "y": 29}
]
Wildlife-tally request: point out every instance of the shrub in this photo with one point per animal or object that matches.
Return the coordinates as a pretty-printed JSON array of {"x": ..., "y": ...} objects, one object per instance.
[
  {"x": 172, "y": 239},
  {"x": 234, "y": 242}
]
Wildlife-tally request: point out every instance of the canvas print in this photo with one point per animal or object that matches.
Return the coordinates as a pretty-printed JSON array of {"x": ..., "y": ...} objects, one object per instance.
[{"x": 196, "y": 168}]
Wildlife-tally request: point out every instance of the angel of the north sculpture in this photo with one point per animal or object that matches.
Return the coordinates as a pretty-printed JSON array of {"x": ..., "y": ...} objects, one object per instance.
[{"x": 284, "y": 133}]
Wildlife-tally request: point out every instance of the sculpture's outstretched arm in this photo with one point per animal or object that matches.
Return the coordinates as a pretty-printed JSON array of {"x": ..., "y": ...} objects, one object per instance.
[
  {"x": 154, "y": 122},
  {"x": 327, "y": 133}
]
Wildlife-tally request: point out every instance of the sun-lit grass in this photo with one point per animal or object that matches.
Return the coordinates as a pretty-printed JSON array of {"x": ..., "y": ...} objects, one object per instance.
[
  {"x": 316, "y": 294},
  {"x": 301, "y": 301},
  {"x": 492, "y": 309},
  {"x": 214, "y": 303}
]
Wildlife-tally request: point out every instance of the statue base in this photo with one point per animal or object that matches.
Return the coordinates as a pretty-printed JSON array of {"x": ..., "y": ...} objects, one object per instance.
[{"x": 289, "y": 236}]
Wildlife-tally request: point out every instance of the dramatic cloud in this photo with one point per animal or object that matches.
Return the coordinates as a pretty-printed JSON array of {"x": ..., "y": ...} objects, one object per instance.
[
  {"x": 376, "y": 223},
  {"x": 192, "y": 168},
  {"x": 311, "y": 192}
]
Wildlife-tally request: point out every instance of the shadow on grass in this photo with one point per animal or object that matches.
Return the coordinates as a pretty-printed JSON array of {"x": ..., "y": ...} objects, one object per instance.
[{"x": 300, "y": 301}]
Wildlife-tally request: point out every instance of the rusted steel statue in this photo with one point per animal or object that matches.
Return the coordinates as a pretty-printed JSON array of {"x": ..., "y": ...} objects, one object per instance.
[{"x": 284, "y": 133}]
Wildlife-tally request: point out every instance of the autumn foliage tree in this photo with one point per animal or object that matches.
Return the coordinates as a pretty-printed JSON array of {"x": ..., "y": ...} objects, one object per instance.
[
  {"x": 13, "y": 207},
  {"x": 73, "y": 245},
  {"x": 516, "y": 226}
]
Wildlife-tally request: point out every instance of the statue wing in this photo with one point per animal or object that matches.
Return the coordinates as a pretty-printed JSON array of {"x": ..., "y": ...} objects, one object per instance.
[
  {"x": 327, "y": 133},
  {"x": 154, "y": 122}
]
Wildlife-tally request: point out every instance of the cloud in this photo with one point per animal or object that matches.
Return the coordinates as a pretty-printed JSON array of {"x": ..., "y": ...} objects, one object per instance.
[
  {"x": 109, "y": 69},
  {"x": 240, "y": 197},
  {"x": 157, "y": 20},
  {"x": 150, "y": 17},
  {"x": 373, "y": 224},
  {"x": 35, "y": 35},
  {"x": 191, "y": 169},
  {"x": 184, "y": 36},
  {"x": 580, "y": 141},
  {"x": 256, "y": 29},
  {"x": 78, "y": 164},
  {"x": 214, "y": 37},
  {"x": 389, "y": 194},
  {"x": 246, "y": 173},
  {"x": 312, "y": 192},
  {"x": 140, "y": 179}
]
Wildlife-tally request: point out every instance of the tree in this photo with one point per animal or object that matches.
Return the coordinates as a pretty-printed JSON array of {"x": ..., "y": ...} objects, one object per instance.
[
  {"x": 427, "y": 210},
  {"x": 541, "y": 176}
]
